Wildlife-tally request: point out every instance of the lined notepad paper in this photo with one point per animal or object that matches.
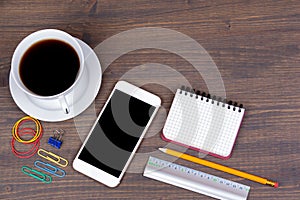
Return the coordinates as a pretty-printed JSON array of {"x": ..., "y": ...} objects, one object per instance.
[{"x": 203, "y": 123}]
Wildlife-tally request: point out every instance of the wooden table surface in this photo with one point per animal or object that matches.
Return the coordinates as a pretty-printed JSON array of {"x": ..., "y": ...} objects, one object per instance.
[{"x": 255, "y": 46}]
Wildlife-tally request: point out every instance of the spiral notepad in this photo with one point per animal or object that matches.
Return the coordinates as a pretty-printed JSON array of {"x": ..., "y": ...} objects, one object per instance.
[{"x": 203, "y": 122}]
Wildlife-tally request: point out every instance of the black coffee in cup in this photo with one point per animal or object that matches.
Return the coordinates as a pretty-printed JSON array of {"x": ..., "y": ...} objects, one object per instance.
[{"x": 49, "y": 67}]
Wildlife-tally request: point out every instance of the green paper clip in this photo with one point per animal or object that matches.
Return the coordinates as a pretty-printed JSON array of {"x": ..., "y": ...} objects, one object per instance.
[{"x": 36, "y": 174}]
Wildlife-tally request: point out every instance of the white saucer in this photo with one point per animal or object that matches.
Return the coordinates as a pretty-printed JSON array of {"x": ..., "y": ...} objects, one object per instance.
[{"x": 94, "y": 77}]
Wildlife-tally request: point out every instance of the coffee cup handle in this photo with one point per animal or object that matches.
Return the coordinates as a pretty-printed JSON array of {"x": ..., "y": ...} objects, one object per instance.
[{"x": 64, "y": 105}]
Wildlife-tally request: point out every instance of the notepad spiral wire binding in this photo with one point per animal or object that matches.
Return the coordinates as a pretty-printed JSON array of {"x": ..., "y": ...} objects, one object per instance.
[{"x": 219, "y": 100}]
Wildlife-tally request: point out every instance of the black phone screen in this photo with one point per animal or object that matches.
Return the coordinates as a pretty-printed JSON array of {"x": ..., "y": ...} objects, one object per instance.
[{"x": 116, "y": 133}]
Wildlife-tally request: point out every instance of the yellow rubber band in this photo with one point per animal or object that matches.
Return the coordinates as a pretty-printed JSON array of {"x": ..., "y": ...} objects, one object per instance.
[{"x": 38, "y": 130}]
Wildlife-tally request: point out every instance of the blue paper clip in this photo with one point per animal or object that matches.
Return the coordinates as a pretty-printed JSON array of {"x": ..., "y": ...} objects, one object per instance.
[
  {"x": 36, "y": 174},
  {"x": 50, "y": 168}
]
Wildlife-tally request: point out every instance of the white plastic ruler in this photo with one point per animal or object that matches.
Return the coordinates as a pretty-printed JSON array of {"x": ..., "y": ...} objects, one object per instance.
[{"x": 194, "y": 180}]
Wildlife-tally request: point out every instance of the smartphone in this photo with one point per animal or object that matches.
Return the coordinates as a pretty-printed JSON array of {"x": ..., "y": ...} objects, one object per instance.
[{"x": 116, "y": 134}]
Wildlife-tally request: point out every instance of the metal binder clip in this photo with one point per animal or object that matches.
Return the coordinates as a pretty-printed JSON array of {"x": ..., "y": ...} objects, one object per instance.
[
  {"x": 50, "y": 168},
  {"x": 36, "y": 174},
  {"x": 53, "y": 157}
]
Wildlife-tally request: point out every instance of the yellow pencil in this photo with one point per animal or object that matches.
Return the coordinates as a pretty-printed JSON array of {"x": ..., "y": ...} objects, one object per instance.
[{"x": 220, "y": 167}]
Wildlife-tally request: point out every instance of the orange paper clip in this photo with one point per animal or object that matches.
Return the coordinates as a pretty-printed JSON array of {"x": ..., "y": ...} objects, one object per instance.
[{"x": 53, "y": 157}]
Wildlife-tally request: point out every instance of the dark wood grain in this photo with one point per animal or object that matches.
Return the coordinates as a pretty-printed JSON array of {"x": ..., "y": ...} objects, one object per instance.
[{"x": 255, "y": 45}]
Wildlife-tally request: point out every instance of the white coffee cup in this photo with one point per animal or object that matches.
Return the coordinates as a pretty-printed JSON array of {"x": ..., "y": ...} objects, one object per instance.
[{"x": 58, "y": 101}]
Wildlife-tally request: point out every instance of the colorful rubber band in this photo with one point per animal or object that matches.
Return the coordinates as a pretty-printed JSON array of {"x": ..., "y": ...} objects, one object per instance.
[
  {"x": 18, "y": 132},
  {"x": 25, "y": 154}
]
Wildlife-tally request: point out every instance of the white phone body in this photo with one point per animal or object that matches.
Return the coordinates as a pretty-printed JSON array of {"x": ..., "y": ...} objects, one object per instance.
[{"x": 99, "y": 173}]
